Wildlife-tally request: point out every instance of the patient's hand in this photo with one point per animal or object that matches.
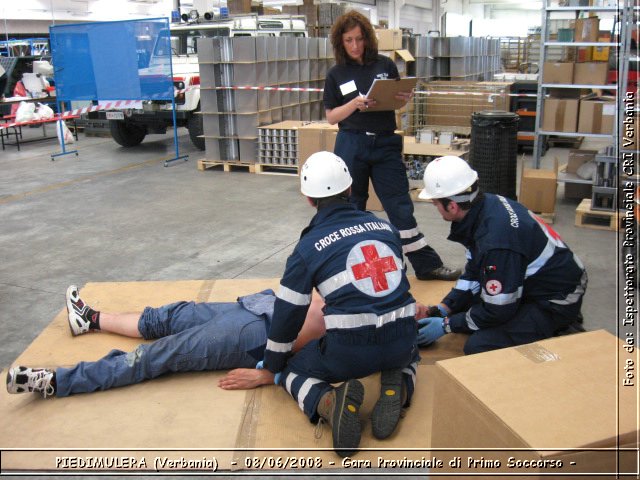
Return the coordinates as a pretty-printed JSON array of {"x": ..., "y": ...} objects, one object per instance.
[
  {"x": 245, "y": 379},
  {"x": 421, "y": 310}
]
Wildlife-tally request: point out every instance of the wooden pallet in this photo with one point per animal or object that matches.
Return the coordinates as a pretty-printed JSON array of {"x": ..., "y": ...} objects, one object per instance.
[
  {"x": 227, "y": 166},
  {"x": 596, "y": 219},
  {"x": 273, "y": 169}
]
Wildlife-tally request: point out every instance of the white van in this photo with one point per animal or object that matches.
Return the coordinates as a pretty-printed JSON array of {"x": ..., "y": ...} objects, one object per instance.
[{"x": 184, "y": 35}]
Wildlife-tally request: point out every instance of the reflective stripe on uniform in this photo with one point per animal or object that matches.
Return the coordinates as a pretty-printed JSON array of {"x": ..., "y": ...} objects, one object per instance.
[
  {"x": 542, "y": 259},
  {"x": 304, "y": 390},
  {"x": 293, "y": 297},
  {"x": 470, "y": 323},
  {"x": 576, "y": 295},
  {"x": 411, "y": 372},
  {"x": 333, "y": 283},
  {"x": 412, "y": 247},
  {"x": 502, "y": 298},
  {"x": 467, "y": 285},
  {"x": 414, "y": 232},
  {"x": 288, "y": 381},
  {"x": 279, "y": 347},
  {"x": 368, "y": 319}
]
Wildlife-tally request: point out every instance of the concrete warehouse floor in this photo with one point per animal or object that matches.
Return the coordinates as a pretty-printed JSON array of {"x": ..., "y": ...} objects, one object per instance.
[{"x": 115, "y": 214}]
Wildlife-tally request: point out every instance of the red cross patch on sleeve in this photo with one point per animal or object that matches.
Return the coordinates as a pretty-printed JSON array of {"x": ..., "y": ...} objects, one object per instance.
[{"x": 493, "y": 287}]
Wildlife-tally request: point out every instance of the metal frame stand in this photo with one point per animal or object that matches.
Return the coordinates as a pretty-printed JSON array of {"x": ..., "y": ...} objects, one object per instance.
[{"x": 61, "y": 137}]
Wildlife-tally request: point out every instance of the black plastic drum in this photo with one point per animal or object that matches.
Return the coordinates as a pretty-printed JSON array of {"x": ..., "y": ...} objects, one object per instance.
[{"x": 494, "y": 151}]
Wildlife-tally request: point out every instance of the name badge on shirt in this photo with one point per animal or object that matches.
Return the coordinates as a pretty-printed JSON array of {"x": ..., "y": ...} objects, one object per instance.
[{"x": 347, "y": 88}]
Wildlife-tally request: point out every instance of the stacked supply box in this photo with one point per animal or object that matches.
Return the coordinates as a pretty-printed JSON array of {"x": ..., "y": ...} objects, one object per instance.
[
  {"x": 455, "y": 58},
  {"x": 278, "y": 143},
  {"x": 562, "y": 110},
  {"x": 597, "y": 115},
  {"x": 249, "y": 82},
  {"x": 560, "y": 115}
]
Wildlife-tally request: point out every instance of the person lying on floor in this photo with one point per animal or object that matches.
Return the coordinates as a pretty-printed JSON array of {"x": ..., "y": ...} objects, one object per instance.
[{"x": 190, "y": 337}]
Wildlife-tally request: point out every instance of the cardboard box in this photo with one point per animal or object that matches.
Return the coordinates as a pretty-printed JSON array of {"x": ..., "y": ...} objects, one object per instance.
[
  {"x": 538, "y": 189},
  {"x": 239, "y": 6},
  {"x": 558, "y": 72},
  {"x": 601, "y": 54},
  {"x": 585, "y": 54},
  {"x": 315, "y": 137},
  {"x": 577, "y": 190},
  {"x": 590, "y": 73},
  {"x": 587, "y": 29},
  {"x": 557, "y": 400},
  {"x": 560, "y": 115},
  {"x": 402, "y": 59},
  {"x": 389, "y": 38},
  {"x": 319, "y": 136},
  {"x": 597, "y": 115},
  {"x": 577, "y": 158}
]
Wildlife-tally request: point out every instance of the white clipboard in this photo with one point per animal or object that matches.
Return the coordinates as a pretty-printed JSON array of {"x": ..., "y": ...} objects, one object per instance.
[{"x": 384, "y": 92}]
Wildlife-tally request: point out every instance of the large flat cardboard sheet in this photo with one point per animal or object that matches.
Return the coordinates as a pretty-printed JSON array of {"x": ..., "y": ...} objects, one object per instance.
[{"x": 184, "y": 421}]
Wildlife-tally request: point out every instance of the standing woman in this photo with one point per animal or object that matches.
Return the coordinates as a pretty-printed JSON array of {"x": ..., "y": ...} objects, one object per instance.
[{"x": 366, "y": 140}]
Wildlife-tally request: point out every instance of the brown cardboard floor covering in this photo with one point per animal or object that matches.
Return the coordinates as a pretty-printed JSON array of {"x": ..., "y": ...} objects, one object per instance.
[{"x": 185, "y": 418}]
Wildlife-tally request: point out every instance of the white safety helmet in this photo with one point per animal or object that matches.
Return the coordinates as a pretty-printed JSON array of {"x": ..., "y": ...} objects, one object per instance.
[
  {"x": 324, "y": 174},
  {"x": 446, "y": 177}
]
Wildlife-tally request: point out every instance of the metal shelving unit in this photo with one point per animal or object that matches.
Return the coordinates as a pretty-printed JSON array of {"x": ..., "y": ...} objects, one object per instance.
[
  {"x": 629, "y": 22},
  {"x": 624, "y": 12}
]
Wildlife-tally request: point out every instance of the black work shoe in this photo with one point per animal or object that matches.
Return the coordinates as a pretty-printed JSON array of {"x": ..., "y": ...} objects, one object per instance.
[
  {"x": 345, "y": 418},
  {"x": 386, "y": 413},
  {"x": 440, "y": 273}
]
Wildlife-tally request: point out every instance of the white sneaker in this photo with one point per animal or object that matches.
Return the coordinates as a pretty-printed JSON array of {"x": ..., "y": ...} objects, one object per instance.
[
  {"x": 25, "y": 379},
  {"x": 76, "y": 308}
]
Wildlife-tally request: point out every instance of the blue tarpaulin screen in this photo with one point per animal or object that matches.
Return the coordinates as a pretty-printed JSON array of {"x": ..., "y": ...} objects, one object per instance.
[{"x": 128, "y": 60}]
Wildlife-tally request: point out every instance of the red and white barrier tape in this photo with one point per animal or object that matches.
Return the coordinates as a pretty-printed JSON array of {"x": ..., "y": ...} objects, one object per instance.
[
  {"x": 273, "y": 89},
  {"x": 125, "y": 103}
]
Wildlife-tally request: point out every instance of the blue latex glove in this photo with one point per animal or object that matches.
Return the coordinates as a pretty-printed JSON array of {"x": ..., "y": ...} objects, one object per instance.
[{"x": 430, "y": 329}]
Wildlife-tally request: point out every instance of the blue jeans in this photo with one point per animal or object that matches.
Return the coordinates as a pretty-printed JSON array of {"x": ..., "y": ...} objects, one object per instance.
[
  {"x": 191, "y": 337},
  {"x": 380, "y": 158}
]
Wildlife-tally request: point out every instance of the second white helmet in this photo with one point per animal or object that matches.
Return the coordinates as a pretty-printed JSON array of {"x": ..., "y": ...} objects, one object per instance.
[
  {"x": 324, "y": 174},
  {"x": 446, "y": 177}
]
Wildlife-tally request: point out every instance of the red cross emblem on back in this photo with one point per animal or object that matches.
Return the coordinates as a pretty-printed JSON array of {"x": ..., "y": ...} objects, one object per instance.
[{"x": 374, "y": 267}]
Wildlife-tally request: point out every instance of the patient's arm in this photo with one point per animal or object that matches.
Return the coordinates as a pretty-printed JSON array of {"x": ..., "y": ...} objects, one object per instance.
[{"x": 246, "y": 378}]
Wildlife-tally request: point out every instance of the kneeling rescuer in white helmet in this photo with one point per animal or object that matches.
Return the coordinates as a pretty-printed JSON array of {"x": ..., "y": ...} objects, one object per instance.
[
  {"x": 521, "y": 282},
  {"x": 354, "y": 260}
]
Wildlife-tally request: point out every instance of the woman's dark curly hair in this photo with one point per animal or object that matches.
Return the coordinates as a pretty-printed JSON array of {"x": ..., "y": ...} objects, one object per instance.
[{"x": 347, "y": 22}]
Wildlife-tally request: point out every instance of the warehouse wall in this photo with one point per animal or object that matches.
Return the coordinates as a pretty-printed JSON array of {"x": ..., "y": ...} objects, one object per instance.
[{"x": 35, "y": 16}]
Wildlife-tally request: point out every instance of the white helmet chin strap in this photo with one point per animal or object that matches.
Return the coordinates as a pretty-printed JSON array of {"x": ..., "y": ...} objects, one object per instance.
[{"x": 467, "y": 197}]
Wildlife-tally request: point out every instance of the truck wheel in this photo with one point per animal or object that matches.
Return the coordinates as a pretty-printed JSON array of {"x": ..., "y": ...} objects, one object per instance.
[
  {"x": 195, "y": 128},
  {"x": 127, "y": 134}
]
